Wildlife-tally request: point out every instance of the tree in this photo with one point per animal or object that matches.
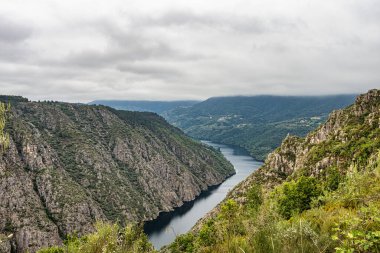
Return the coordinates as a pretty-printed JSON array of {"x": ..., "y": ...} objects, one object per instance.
[
  {"x": 4, "y": 137},
  {"x": 297, "y": 196}
]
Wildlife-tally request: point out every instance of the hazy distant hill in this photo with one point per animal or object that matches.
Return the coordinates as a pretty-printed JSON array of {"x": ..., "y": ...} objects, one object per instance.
[
  {"x": 145, "y": 106},
  {"x": 257, "y": 123}
]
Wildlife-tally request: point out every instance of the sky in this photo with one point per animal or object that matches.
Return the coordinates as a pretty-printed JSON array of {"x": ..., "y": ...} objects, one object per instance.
[{"x": 82, "y": 50}]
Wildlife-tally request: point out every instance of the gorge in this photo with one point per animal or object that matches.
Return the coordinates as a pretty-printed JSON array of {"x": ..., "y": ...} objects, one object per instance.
[
  {"x": 70, "y": 165},
  {"x": 167, "y": 226},
  {"x": 62, "y": 160}
]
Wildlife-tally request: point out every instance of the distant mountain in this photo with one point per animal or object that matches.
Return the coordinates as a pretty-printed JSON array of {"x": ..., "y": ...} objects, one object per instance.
[
  {"x": 65, "y": 166},
  {"x": 145, "y": 106},
  {"x": 256, "y": 123}
]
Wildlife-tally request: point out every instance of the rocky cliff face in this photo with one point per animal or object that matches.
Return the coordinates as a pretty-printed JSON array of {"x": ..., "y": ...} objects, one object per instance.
[
  {"x": 69, "y": 165},
  {"x": 347, "y": 141}
]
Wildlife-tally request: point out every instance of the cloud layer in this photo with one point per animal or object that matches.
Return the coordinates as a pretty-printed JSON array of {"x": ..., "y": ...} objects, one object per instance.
[{"x": 84, "y": 50}]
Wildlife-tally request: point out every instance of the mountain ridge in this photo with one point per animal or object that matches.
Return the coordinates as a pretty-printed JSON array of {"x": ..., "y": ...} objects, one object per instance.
[
  {"x": 69, "y": 165},
  {"x": 256, "y": 123}
]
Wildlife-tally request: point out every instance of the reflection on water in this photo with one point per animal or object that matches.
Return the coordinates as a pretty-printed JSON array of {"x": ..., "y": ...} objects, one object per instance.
[{"x": 164, "y": 229}]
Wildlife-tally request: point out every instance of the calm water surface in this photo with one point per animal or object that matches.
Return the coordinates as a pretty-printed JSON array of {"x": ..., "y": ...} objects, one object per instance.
[{"x": 163, "y": 230}]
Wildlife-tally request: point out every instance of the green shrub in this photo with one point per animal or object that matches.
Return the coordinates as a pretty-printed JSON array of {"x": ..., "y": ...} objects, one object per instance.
[
  {"x": 207, "y": 234},
  {"x": 54, "y": 249},
  {"x": 183, "y": 243},
  {"x": 297, "y": 196},
  {"x": 333, "y": 178},
  {"x": 108, "y": 238},
  {"x": 254, "y": 197}
]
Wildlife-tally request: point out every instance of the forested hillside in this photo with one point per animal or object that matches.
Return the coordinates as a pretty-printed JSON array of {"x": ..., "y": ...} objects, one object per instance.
[
  {"x": 320, "y": 193},
  {"x": 257, "y": 123},
  {"x": 65, "y": 166}
]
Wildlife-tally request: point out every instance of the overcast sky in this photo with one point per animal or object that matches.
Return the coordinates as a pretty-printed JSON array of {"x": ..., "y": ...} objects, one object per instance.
[{"x": 78, "y": 51}]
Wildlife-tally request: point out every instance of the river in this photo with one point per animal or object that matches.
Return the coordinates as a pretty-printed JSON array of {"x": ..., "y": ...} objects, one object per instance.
[{"x": 167, "y": 226}]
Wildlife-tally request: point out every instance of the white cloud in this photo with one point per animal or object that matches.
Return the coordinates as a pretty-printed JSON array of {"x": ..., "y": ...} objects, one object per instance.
[{"x": 84, "y": 50}]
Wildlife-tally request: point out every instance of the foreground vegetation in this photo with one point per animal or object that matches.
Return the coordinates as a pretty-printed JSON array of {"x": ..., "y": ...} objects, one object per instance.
[
  {"x": 302, "y": 215},
  {"x": 297, "y": 216},
  {"x": 106, "y": 238}
]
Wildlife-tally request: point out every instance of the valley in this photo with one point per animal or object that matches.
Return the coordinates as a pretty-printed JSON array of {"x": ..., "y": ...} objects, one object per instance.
[
  {"x": 293, "y": 202},
  {"x": 256, "y": 123},
  {"x": 163, "y": 230}
]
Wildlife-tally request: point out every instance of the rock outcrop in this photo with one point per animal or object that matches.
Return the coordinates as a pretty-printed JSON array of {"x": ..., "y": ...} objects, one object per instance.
[
  {"x": 348, "y": 141},
  {"x": 329, "y": 146},
  {"x": 69, "y": 165}
]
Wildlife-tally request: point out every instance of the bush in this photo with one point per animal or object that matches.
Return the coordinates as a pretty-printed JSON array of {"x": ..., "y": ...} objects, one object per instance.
[
  {"x": 183, "y": 243},
  {"x": 254, "y": 197},
  {"x": 107, "y": 238},
  {"x": 54, "y": 249},
  {"x": 297, "y": 196},
  {"x": 333, "y": 178},
  {"x": 207, "y": 234}
]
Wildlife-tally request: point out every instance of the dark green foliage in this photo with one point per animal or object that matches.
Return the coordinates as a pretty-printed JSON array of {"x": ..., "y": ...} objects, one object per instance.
[
  {"x": 297, "y": 196},
  {"x": 333, "y": 178},
  {"x": 12, "y": 99},
  {"x": 183, "y": 243},
  {"x": 8, "y": 227}
]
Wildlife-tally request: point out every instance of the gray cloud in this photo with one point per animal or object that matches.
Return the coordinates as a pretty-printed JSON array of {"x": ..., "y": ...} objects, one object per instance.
[
  {"x": 13, "y": 32},
  {"x": 180, "y": 49},
  {"x": 12, "y": 39},
  {"x": 153, "y": 70},
  {"x": 123, "y": 45}
]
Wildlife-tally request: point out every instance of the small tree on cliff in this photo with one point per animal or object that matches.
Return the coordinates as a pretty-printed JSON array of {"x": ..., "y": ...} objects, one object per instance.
[{"x": 4, "y": 137}]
